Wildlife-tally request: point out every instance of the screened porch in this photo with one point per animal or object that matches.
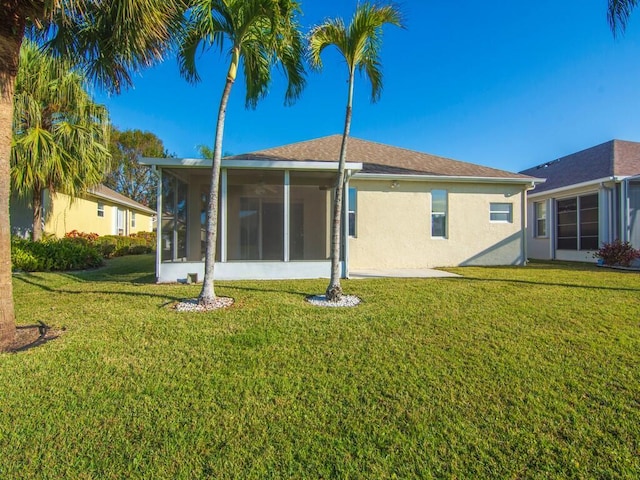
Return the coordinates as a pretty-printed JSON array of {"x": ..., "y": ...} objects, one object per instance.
[{"x": 272, "y": 223}]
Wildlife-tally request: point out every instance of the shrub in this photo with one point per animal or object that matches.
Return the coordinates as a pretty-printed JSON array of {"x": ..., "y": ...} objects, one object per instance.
[
  {"x": 90, "y": 237},
  {"x": 117, "y": 245},
  {"x": 139, "y": 249},
  {"x": 54, "y": 254},
  {"x": 617, "y": 253}
]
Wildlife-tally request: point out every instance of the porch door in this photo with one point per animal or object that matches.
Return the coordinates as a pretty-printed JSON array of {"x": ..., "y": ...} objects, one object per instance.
[
  {"x": 272, "y": 231},
  {"x": 296, "y": 232},
  {"x": 261, "y": 229}
]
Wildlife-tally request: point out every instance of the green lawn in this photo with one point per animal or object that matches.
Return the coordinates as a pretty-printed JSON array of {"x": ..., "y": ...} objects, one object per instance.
[{"x": 507, "y": 373}]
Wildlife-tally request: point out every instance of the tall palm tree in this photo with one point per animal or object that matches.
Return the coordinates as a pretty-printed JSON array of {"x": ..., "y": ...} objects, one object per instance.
[
  {"x": 259, "y": 34},
  {"x": 60, "y": 135},
  {"x": 359, "y": 43},
  {"x": 618, "y": 14},
  {"x": 109, "y": 39}
]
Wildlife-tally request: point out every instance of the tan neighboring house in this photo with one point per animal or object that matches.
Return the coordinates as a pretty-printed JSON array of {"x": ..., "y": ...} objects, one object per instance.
[
  {"x": 404, "y": 210},
  {"x": 101, "y": 210},
  {"x": 589, "y": 198}
]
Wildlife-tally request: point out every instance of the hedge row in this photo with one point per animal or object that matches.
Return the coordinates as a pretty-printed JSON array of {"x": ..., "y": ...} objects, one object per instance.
[
  {"x": 53, "y": 254},
  {"x": 76, "y": 251}
]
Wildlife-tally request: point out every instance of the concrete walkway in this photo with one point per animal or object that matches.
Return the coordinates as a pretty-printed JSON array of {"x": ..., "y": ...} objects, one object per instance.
[{"x": 402, "y": 273}]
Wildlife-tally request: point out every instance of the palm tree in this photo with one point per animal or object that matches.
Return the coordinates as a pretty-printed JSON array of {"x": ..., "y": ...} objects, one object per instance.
[
  {"x": 260, "y": 34},
  {"x": 60, "y": 135},
  {"x": 109, "y": 39},
  {"x": 618, "y": 14},
  {"x": 359, "y": 43}
]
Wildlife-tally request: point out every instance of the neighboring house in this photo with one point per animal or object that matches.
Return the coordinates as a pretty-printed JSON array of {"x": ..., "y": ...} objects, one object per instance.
[
  {"x": 101, "y": 210},
  {"x": 589, "y": 198},
  {"x": 405, "y": 209}
]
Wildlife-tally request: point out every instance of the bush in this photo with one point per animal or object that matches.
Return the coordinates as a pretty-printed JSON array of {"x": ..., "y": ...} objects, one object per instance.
[
  {"x": 617, "y": 253},
  {"x": 117, "y": 245},
  {"x": 54, "y": 254},
  {"x": 89, "y": 237}
]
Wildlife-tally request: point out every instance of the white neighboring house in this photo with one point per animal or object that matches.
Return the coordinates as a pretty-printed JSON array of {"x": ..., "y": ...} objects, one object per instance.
[{"x": 590, "y": 197}]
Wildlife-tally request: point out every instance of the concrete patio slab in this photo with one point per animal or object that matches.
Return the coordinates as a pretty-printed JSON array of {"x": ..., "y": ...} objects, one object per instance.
[{"x": 402, "y": 273}]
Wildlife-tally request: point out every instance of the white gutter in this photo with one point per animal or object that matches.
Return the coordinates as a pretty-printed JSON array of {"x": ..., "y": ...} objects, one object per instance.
[
  {"x": 247, "y": 164},
  {"x": 574, "y": 186},
  {"x": 446, "y": 178}
]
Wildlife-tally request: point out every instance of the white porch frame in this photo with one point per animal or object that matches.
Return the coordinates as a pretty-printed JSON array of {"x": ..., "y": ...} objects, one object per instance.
[{"x": 169, "y": 272}]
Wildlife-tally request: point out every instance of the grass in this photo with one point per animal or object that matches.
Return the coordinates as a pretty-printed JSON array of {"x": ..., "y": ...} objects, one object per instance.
[{"x": 507, "y": 373}]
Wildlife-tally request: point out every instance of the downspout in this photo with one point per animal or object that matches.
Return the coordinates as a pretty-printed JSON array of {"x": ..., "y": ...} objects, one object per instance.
[
  {"x": 345, "y": 224},
  {"x": 523, "y": 224}
]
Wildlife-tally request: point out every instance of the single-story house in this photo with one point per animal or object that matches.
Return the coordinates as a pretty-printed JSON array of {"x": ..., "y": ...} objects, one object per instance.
[
  {"x": 404, "y": 210},
  {"x": 101, "y": 210},
  {"x": 589, "y": 198}
]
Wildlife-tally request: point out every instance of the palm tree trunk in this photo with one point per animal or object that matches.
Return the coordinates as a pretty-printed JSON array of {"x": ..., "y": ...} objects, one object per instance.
[
  {"x": 36, "y": 232},
  {"x": 334, "y": 290},
  {"x": 208, "y": 295},
  {"x": 11, "y": 33}
]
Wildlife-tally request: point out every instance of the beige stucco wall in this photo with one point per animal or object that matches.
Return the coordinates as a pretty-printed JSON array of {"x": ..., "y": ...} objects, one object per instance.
[
  {"x": 394, "y": 226},
  {"x": 63, "y": 215}
]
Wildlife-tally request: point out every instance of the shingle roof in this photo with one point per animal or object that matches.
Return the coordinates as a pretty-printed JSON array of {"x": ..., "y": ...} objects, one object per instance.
[
  {"x": 376, "y": 158},
  {"x": 613, "y": 158},
  {"x": 105, "y": 192}
]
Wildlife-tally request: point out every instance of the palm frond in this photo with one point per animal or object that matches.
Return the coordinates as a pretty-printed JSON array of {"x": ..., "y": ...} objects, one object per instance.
[
  {"x": 60, "y": 135},
  {"x": 618, "y": 14},
  {"x": 112, "y": 39},
  {"x": 359, "y": 43}
]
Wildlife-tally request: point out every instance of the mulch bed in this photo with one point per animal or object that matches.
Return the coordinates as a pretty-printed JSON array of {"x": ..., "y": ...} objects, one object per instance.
[{"x": 31, "y": 336}]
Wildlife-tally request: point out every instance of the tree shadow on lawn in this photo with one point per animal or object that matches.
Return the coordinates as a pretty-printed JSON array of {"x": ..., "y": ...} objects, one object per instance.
[
  {"x": 263, "y": 290},
  {"x": 169, "y": 299},
  {"x": 550, "y": 284}
]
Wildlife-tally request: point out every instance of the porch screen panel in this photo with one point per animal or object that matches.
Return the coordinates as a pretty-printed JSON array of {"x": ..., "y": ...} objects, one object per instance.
[
  {"x": 255, "y": 221},
  {"x": 567, "y": 224},
  {"x": 204, "y": 201},
  {"x": 308, "y": 222},
  {"x": 634, "y": 214},
  {"x": 174, "y": 218},
  {"x": 589, "y": 222}
]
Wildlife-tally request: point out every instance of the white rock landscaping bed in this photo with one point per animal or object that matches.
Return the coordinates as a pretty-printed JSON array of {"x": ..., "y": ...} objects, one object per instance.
[
  {"x": 192, "y": 305},
  {"x": 345, "y": 301}
]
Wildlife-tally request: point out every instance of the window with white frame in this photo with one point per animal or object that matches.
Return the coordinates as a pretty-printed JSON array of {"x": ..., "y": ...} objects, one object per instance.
[
  {"x": 540, "y": 210},
  {"x": 501, "y": 212},
  {"x": 439, "y": 213},
  {"x": 133, "y": 219},
  {"x": 100, "y": 209},
  {"x": 353, "y": 202}
]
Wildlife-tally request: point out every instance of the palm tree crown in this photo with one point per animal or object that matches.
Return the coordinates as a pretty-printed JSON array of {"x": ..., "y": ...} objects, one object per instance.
[
  {"x": 259, "y": 33},
  {"x": 359, "y": 42},
  {"x": 60, "y": 135}
]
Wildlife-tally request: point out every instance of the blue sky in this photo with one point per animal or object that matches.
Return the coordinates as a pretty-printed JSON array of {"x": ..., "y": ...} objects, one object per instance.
[{"x": 503, "y": 84}]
